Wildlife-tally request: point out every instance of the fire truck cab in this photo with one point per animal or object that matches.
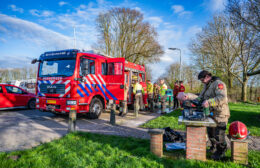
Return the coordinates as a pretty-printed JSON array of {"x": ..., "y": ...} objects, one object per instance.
[{"x": 85, "y": 82}]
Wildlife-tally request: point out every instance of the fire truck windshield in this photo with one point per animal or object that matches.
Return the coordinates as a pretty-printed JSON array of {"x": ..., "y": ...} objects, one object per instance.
[{"x": 61, "y": 67}]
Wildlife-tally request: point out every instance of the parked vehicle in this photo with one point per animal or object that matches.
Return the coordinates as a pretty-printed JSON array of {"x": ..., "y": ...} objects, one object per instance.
[
  {"x": 85, "y": 82},
  {"x": 27, "y": 84},
  {"x": 169, "y": 93},
  {"x": 15, "y": 97}
]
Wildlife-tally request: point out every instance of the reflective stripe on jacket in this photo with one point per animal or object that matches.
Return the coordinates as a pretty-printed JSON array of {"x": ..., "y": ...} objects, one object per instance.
[
  {"x": 149, "y": 88},
  {"x": 138, "y": 88},
  {"x": 163, "y": 89}
]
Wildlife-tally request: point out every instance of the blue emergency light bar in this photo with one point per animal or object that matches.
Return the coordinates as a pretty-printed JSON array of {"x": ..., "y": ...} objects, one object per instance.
[{"x": 71, "y": 53}]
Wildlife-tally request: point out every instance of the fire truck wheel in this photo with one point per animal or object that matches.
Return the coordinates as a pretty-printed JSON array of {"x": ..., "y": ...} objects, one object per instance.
[
  {"x": 31, "y": 104},
  {"x": 95, "y": 109}
]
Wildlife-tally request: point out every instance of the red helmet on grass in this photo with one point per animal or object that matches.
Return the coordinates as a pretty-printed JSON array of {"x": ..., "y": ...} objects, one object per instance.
[{"x": 238, "y": 130}]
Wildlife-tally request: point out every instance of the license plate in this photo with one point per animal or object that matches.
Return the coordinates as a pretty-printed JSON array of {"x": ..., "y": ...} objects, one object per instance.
[{"x": 51, "y": 101}]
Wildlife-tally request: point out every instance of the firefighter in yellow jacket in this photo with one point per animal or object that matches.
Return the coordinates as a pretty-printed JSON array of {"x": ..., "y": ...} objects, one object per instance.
[
  {"x": 214, "y": 95},
  {"x": 150, "y": 95},
  {"x": 138, "y": 91},
  {"x": 163, "y": 88}
]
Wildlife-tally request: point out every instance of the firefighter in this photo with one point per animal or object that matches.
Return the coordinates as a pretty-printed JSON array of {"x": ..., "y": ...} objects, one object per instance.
[
  {"x": 175, "y": 93},
  {"x": 214, "y": 95},
  {"x": 163, "y": 96},
  {"x": 150, "y": 95},
  {"x": 137, "y": 90},
  {"x": 156, "y": 92}
]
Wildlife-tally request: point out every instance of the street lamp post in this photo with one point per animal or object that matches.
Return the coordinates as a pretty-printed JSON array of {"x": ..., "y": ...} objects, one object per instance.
[{"x": 180, "y": 60}]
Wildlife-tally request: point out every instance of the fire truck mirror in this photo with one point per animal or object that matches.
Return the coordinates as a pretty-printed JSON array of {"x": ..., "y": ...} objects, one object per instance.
[
  {"x": 84, "y": 67},
  {"x": 34, "y": 61}
]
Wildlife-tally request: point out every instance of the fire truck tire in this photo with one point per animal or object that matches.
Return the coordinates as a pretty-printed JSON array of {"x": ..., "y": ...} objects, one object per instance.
[
  {"x": 95, "y": 109},
  {"x": 31, "y": 104}
]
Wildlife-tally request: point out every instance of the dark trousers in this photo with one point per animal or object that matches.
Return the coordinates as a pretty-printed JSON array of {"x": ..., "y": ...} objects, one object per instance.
[
  {"x": 176, "y": 102},
  {"x": 150, "y": 101},
  {"x": 217, "y": 137}
]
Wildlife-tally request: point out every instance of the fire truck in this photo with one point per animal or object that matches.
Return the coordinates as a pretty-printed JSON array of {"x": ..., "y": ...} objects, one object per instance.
[{"x": 85, "y": 82}]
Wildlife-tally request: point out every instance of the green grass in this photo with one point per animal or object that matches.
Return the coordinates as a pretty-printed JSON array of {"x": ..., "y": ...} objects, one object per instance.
[
  {"x": 249, "y": 114},
  {"x": 167, "y": 120},
  {"x": 93, "y": 150}
]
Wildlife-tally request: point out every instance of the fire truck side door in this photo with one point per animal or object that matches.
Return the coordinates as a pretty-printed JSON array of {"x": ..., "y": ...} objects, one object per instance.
[
  {"x": 87, "y": 71},
  {"x": 115, "y": 78}
]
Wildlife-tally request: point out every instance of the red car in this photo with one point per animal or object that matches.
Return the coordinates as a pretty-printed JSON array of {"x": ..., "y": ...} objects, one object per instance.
[{"x": 14, "y": 97}]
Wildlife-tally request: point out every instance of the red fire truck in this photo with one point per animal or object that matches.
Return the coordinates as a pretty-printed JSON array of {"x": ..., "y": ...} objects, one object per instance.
[{"x": 85, "y": 82}]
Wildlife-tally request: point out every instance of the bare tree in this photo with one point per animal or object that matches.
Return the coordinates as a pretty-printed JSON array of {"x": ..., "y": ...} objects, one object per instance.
[
  {"x": 245, "y": 12},
  {"x": 213, "y": 49},
  {"x": 248, "y": 54},
  {"x": 229, "y": 50},
  {"x": 123, "y": 33},
  {"x": 172, "y": 74}
]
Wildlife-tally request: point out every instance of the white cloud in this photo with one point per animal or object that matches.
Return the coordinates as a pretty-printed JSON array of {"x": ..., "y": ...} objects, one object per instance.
[
  {"x": 83, "y": 18},
  {"x": 179, "y": 9},
  {"x": 167, "y": 37},
  {"x": 18, "y": 61},
  {"x": 215, "y": 5},
  {"x": 138, "y": 9},
  {"x": 194, "y": 30},
  {"x": 155, "y": 21},
  {"x": 16, "y": 9},
  {"x": 34, "y": 33},
  {"x": 61, "y": 3},
  {"x": 44, "y": 13},
  {"x": 3, "y": 40}
]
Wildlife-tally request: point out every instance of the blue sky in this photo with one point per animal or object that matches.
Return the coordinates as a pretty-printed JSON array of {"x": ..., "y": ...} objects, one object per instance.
[{"x": 29, "y": 28}]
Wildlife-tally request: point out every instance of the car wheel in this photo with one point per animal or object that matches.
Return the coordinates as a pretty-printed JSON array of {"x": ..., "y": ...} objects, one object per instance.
[
  {"x": 31, "y": 104},
  {"x": 95, "y": 109}
]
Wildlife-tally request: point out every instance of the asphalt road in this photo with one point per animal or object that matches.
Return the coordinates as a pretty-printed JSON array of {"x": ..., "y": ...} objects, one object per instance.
[{"x": 23, "y": 129}]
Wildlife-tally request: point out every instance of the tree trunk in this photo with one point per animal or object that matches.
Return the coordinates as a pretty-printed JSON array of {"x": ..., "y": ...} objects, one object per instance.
[
  {"x": 244, "y": 89},
  {"x": 256, "y": 91},
  {"x": 251, "y": 92},
  {"x": 230, "y": 80}
]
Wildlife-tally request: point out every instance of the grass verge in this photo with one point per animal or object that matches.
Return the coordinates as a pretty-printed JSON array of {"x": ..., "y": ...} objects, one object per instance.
[
  {"x": 249, "y": 114},
  {"x": 93, "y": 150}
]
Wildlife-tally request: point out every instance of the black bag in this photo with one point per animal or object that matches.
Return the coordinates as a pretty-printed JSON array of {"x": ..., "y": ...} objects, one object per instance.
[{"x": 172, "y": 136}]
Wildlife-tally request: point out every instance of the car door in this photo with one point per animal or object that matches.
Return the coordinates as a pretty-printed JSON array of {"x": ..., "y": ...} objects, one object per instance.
[
  {"x": 16, "y": 96},
  {"x": 4, "y": 102}
]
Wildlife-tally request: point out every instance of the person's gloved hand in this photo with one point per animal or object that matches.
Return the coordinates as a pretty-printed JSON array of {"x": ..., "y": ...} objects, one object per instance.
[{"x": 205, "y": 103}]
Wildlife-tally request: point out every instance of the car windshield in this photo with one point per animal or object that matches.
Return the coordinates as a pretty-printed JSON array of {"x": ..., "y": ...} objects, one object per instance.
[{"x": 64, "y": 67}]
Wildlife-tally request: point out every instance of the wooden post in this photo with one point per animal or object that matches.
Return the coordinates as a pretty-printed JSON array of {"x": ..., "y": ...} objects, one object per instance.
[
  {"x": 112, "y": 114},
  {"x": 72, "y": 121}
]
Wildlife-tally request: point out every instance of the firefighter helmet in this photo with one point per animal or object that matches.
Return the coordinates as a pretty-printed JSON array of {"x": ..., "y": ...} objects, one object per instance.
[{"x": 238, "y": 130}]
